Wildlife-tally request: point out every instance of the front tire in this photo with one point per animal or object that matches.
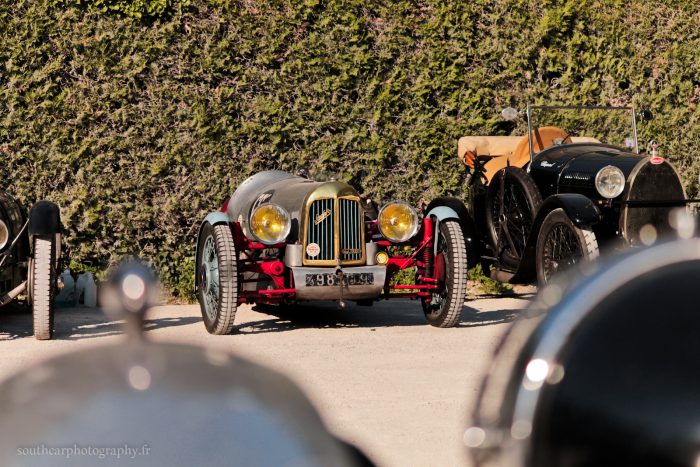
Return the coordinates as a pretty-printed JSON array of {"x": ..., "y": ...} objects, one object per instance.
[
  {"x": 560, "y": 245},
  {"x": 217, "y": 278},
  {"x": 445, "y": 307},
  {"x": 42, "y": 285}
]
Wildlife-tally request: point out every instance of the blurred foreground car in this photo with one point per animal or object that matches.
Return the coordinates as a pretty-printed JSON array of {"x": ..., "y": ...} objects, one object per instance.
[
  {"x": 282, "y": 238},
  {"x": 601, "y": 373},
  {"x": 542, "y": 202},
  {"x": 30, "y": 248},
  {"x": 138, "y": 403}
]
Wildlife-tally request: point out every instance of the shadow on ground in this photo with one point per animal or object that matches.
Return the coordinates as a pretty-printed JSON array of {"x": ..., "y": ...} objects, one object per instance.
[
  {"x": 327, "y": 315},
  {"x": 87, "y": 323},
  {"x": 75, "y": 323}
]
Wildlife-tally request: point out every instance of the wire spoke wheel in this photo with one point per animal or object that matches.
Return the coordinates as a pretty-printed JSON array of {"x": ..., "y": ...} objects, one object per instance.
[
  {"x": 514, "y": 223},
  {"x": 561, "y": 245},
  {"x": 512, "y": 204},
  {"x": 561, "y": 250},
  {"x": 217, "y": 278},
  {"x": 444, "y": 307}
]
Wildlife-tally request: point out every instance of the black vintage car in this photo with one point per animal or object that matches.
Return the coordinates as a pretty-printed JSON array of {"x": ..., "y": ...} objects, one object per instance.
[
  {"x": 30, "y": 247},
  {"x": 595, "y": 375},
  {"x": 544, "y": 201},
  {"x": 282, "y": 238}
]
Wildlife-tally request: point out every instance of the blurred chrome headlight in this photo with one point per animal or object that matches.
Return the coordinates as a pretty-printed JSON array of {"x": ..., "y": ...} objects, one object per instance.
[
  {"x": 270, "y": 223},
  {"x": 610, "y": 182},
  {"x": 4, "y": 234},
  {"x": 397, "y": 221}
]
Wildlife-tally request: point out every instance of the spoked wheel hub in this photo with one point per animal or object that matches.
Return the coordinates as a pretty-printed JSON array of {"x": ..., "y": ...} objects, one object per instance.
[
  {"x": 561, "y": 245},
  {"x": 562, "y": 250},
  {"x": 513, "y": 201}
]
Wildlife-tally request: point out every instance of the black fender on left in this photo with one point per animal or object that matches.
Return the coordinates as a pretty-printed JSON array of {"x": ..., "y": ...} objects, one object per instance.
[{"x": 44, "y": 219}]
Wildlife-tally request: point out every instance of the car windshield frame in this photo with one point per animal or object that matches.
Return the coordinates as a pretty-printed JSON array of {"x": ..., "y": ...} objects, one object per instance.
[{"x": 530, "y": 127}]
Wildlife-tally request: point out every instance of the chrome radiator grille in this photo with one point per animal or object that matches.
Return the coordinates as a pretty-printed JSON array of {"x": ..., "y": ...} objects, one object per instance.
[
  {"x": 321, "y": 230},
  {"x": 347, "y": 242},
  {"x": 350, "y": 233}
]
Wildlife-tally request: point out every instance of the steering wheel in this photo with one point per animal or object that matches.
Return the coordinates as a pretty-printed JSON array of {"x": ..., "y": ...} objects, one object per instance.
[{"x": 569, "y": 134}]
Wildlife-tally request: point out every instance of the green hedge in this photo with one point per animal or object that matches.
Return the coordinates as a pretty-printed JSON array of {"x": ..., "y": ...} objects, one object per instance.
[
  {"x": 139, "y": 9},
  {"x": 138, "y": 128}
]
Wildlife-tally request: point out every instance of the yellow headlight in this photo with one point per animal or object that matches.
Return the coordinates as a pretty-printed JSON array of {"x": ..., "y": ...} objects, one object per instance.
[
  {"x": 398, "y": 221},
  {"x": 4, "y": 234},
  {"x": 270, "y": 223}
]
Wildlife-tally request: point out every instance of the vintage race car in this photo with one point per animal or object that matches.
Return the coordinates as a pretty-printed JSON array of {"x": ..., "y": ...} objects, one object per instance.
[
  {"x": 282, "y": 238},
  {"x": 30, "y": 248},
  {"x": 542, "y": 202}
]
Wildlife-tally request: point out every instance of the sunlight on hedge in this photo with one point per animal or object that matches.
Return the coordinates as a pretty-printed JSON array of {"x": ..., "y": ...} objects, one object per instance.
[
  {"x": 139, "y": 9},
  {"x": 139, "y": 128}
]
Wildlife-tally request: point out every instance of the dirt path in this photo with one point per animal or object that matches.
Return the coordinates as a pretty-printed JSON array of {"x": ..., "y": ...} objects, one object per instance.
[{"x": 380, "y": 376}]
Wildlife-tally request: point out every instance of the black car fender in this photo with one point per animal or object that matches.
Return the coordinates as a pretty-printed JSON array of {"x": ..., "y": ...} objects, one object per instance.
[
  {"x": 580, "y": 210},
  {"x": 44, "y": 219},
  {"x": 466, "y": 222}
]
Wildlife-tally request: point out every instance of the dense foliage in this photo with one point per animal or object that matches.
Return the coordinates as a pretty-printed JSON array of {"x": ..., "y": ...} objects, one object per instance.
[
  {"x": 139, "y": 9},
  {"x": 137, "y": 128}
]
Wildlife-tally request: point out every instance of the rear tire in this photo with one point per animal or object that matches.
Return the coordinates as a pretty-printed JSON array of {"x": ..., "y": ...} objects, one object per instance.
[
  {"x": 43, "y": 282},
  {"x": 560, "y": 245},
  {"x": 445, "y": 307},
  {"x": 521, "y": 200},
  {"x": 217, "y": 278}
]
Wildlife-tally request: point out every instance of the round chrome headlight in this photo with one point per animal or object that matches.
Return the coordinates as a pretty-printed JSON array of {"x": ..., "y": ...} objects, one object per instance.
[
  {"x": 270, "y": 223},
  {"x": 610, "y": 182},
  {"x": 4, "y": 234},
  {"x": 397, "y": 221}
]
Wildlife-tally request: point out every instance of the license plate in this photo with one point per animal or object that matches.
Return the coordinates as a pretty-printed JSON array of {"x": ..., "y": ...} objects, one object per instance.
[{"x": 328, "y": 279}]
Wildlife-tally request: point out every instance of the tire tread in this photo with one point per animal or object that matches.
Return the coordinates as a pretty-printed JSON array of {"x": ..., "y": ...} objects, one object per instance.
[
  {"x": 451, "y": 313},
  {"x": 227, "y": 303},
  {"x": 43, "y": 278}
]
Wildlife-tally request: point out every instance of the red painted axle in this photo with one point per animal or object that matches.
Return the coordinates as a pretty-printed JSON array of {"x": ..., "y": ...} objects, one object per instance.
[{"x": 251, "y": 293}]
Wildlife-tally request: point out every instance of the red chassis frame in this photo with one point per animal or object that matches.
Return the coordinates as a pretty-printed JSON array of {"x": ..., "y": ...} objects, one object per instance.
[{"x": 430, "y": 271}]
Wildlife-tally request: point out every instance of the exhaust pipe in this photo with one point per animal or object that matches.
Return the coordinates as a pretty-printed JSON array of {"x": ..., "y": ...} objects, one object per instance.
[{"x": 12, "y": 294}]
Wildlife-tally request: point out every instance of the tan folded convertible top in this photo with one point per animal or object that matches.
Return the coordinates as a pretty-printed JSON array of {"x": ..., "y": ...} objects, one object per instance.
[{"x": 507, "y": 150}]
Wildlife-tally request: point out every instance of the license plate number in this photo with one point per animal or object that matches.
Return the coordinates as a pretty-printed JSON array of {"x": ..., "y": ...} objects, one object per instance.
[{"x": 328, "y": 279}]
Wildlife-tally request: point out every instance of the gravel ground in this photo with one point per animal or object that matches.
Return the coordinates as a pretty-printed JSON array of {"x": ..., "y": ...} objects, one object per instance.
[{"x": 381, "y": 378}]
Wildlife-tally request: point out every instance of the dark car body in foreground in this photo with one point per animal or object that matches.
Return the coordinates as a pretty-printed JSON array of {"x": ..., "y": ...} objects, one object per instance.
[
  {"x": 547, "y": 200},
  {"x": 602, "y": 370},
  {"x": 282, "y": 239},
  {"x": 171, "y": 405},
  {"x": 29, "y": 258}
]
